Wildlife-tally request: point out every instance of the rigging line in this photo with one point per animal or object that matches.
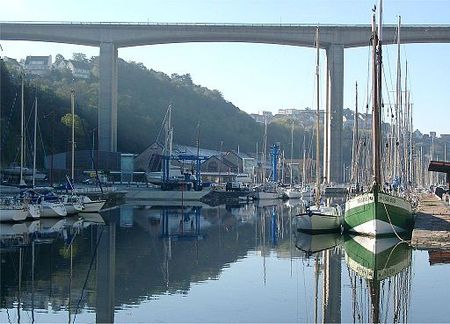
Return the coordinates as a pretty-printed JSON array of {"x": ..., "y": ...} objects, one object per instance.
[
  {"x": 87, "y": 275},
  {"x": 395, "y": 232},
  {"x": 368, "y": 92},
  {"x": 8, "y": 120},
  {"x": 386, "y": 53},
  {"x": 353, "y": 287},
  {"x": 9, "y": 317},
  {"x": 41, "y": 137},
  {"x": 163, "y": 124},
  {"x": 305, "y": 290},
  {"x": 388, "y": 96}
]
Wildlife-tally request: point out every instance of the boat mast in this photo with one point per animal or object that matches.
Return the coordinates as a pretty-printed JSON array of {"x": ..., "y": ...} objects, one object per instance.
[
  {"x": 318, "y": 123},
  {"x": 376, "y": 88},
  {"x": 72, "y": 107},
  {"x": 292, "y": 149},
  {"x": 34, "y": 140},
  {"x": 264, "y": 151},
  {"x": 398, "y": 104},
  {"x": 304, "y": 160},
  {"x": 355, "y": 145},
  {"x": 406, "y": 130},
  {"x": 22, "y": 182}
]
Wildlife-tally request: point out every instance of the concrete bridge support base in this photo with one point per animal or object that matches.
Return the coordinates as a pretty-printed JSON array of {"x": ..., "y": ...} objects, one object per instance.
[{"x": 107, "y": 102}]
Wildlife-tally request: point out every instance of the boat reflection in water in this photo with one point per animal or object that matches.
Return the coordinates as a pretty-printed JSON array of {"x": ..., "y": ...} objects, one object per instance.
[
  {"x": 384, "y": 264},
  {"x": 138, "y": 263},
  {"x": 314, "y": 243},
  {"x": 37, "y": 260}
]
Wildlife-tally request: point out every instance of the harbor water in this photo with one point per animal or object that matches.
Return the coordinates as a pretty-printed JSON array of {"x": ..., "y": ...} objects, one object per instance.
[{"x": 196, "y": 263}]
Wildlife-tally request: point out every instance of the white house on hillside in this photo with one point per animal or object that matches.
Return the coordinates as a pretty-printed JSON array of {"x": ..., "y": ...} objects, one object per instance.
[
  {"x": 79, "y": 69},
  {"x": 38, "y": 65}
]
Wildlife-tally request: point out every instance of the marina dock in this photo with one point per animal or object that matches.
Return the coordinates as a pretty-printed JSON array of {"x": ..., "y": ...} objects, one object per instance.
[{"x": 432, "y": 227}]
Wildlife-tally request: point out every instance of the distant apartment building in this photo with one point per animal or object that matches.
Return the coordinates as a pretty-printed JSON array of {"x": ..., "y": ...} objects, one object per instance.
[
  {"x": 79, "y": 70},
  {"x": 38, "y": 65},
  {"x": 261, "y": 118}
]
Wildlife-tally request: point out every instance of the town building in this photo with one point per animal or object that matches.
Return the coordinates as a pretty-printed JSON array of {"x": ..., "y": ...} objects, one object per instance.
[
  {"x": 38, "y": 65},
  {"x": 80, "y": 70}
]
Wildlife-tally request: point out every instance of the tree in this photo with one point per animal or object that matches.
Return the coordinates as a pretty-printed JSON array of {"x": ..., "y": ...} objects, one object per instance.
[
  {"x": 67, "y": 121},
  {"x": 58, "y": 59}
]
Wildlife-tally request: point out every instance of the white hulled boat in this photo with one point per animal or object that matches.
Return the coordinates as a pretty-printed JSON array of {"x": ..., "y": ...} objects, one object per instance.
[
  {"x": 92, "y": 206},
  {"x": 319, "y": 218},
  {"x": 73, "y": 204},
  {"x": 12, "y": 210}
]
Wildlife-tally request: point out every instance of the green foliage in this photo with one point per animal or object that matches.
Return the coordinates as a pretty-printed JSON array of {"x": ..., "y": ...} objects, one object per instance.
[
  {"x": 67, "y": 121},
  {"x": 143, "y": 97}
]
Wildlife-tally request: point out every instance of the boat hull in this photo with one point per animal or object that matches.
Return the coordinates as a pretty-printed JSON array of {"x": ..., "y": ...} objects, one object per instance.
[
  {"x": 34, "y": 211},
  {"x": 49, "y": 209},
  {"x": 320, "y": 221},
  {"x": 293, "y": 194},
  {"x": 260, "y": 195},
  {"x": 13, "y": 214},
  {"x": 378, "y": 213},
  {"x": 93, "y": 206}
]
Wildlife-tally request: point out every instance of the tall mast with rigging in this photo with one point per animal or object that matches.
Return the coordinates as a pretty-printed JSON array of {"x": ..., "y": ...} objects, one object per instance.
[
  {"x": 376, "y": 77},
  {"x": 22, "y": 182},
  {"x": 355, "y": 145},
  {"x": 34, "y": 140},
  {"x": 72, "y": 108}
]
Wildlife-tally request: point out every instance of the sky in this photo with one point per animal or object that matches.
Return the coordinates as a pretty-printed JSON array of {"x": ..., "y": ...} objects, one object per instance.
[{"x": 257, "y": 77}]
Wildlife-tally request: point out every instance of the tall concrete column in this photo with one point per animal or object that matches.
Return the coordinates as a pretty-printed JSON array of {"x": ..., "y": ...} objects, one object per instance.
[
  {"x": 335, "y": 75},
  {"x": 107, "y": 102},
  {"x": 326, "y": 160}
]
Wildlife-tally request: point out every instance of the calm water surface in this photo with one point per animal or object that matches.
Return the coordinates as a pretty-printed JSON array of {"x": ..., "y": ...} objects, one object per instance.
[{"x": 212, "y": 264}]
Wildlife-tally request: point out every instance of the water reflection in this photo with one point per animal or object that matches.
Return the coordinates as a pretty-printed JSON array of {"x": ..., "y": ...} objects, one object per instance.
[
  {"x": 383, "y": 264},
  {"x": 139, "y": 253},
  {"x": 95, "y": 267},
  {"x": 37, "y": 265}
]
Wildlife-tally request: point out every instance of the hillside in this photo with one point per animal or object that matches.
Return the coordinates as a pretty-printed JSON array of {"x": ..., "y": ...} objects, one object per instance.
[{"x": 143, "y": 97}]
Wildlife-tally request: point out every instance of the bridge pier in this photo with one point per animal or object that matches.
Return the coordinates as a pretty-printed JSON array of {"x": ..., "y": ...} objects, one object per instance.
[
  {"x": 107, "y": 101},
  {"x": 334, "y": 113}
]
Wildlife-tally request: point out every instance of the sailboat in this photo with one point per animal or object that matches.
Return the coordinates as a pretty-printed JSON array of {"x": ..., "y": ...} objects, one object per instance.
[
  {"x": 292, "y": 192},
  {"x": 12, "y": 210},
  {"x": 77, "y": 203},
  {"x": 377, "y": 212},
  {"x": 17, "y": 208},
  {"x": 268, "y": 190},
  {"x": 319, "y": 218},
  {"x": 42, "y": 199}
]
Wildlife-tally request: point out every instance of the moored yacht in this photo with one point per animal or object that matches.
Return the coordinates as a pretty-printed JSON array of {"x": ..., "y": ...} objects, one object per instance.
[
  {"x": 12, "y": 210},
  {"x": 92, "y": 206}
]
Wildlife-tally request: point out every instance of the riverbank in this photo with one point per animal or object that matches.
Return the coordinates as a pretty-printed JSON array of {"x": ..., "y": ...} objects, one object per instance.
[{"x": 432, "y": 226}]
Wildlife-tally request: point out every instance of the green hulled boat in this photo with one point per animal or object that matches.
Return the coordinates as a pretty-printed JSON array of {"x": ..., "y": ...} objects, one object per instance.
[{"x": 378, "y": 213}]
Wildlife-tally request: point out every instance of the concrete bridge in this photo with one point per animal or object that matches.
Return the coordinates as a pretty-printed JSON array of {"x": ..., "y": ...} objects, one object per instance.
[{"x": 109, "y": 37}]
